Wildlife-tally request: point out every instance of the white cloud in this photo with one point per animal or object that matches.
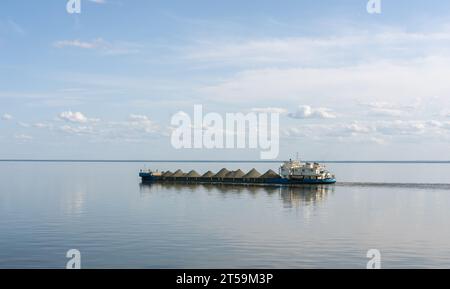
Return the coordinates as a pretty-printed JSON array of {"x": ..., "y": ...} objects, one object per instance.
[
  {"x": 76, "y": 117},
  {"x": 384, "y": 43},
  {"x": 97, "y": 43},
  {"x": 42, "y": 125},
  {"x": 294, "y": 132},
  {"x": 11, "y": 27},
  {"x": 7, "y": 117},
  {"x": 269, "y": 110},
  {"x": 16, "y": 27},
  {"x": 77, "y": 130},
  {"x": 399, "y": 82},
  {"x": 384, "y": 108},
  {"x": 400, "y": 127},
  {"x": 419, "y": 130},
  {"x": 23, "y": 137},
  {"x": 138, "y": 118},
  {"x": 359, "y": 128},
  {"x": 98, "y": 1},
  {"x": 142, "y": 122},
  {"x": 306, "y": 111},
  {"x": 387, "y": 112},
  {"x": 385, "y": 65},
  {"x": 118, "y": 48},
  {"x": 137, "y": 128}
]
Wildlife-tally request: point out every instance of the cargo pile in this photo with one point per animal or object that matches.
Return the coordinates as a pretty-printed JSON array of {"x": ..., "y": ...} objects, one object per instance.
[{"x": 222, "y": 176}]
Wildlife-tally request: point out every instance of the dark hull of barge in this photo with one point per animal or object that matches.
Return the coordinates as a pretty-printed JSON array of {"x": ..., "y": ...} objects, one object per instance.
[{"x": 149, "y": 178}]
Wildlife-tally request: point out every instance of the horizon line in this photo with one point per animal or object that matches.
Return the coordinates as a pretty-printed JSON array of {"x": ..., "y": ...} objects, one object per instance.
[{"x": 225, "y": 161}]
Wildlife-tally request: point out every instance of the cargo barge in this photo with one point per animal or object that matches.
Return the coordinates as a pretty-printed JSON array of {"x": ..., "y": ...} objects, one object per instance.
[{"x": 291, "y": 172}]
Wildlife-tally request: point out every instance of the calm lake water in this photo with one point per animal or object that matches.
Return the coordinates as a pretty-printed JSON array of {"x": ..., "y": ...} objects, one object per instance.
[{"x": 101, "y": 209}]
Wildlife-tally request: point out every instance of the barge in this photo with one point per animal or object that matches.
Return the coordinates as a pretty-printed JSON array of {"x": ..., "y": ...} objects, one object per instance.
[{"x": 292, "y": 172}]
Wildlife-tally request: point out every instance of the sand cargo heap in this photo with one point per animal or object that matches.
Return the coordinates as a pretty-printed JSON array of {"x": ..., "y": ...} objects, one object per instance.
[{"x": 289, "y": 173}]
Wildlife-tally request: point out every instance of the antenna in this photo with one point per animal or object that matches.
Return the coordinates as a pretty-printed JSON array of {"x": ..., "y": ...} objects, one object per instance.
[{"x": 297, "y": 156}]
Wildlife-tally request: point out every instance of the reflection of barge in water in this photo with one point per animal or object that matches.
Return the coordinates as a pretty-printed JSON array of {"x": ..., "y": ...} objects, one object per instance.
[
  {"x": 290, "y": 173},
  {"x": 291, "y": 196}
]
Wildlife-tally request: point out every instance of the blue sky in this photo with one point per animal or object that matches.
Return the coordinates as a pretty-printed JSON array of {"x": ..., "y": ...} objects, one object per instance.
[{"x": 105, "y": 83}]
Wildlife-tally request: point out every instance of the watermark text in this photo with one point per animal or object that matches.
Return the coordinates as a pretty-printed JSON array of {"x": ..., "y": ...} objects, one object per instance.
[{"x": 237, "y": 131}]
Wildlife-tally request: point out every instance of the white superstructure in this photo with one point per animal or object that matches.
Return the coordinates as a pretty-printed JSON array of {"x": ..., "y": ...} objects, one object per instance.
[{"x": 294, "y": 169}]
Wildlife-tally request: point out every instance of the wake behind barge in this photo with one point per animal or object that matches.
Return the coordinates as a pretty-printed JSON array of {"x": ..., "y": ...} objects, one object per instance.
[{"x": 289, "y": 173}]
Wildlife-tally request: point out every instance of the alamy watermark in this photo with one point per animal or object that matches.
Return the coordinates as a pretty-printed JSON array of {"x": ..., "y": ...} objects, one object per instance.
[
  {"x": 254, "y": 130},
  {"x": 374, "y": 7},
  {"x": 375, "y": 259},
  {"x": 73, "y": 6},
  {"x": 74, "y": 256}
]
